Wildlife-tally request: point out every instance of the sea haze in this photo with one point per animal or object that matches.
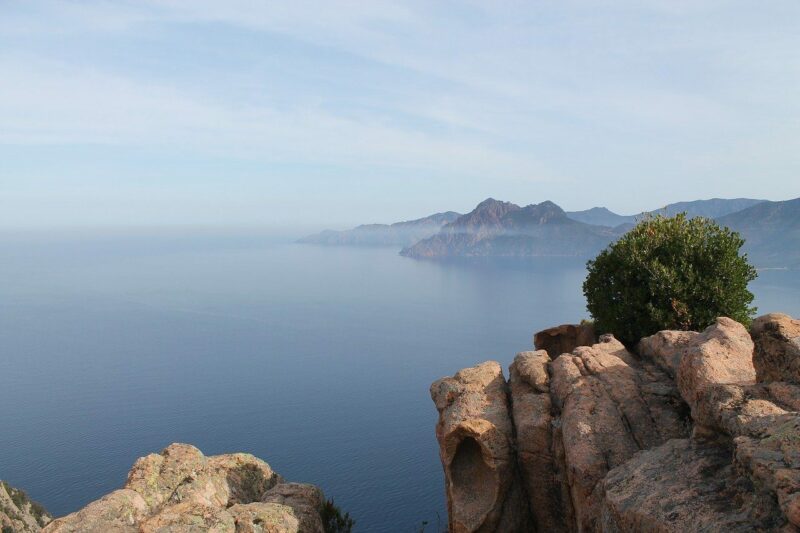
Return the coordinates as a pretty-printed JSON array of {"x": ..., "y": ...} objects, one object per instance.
[{"x": 316, "y": 359}]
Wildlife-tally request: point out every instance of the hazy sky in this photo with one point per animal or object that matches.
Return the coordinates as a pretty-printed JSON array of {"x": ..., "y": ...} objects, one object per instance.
[{"x": 333, "y": 113}]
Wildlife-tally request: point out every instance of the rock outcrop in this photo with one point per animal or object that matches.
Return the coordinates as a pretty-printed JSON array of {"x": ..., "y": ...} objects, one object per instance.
[
  {"x": 475, "y": 433},
  {"x": 181, "y": 490},
  {"x": 18, "y": 513},
  {"x": 680, "y": 436}
]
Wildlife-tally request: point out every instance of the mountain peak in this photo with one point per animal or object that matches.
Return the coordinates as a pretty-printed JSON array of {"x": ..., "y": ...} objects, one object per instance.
[
  {"x": 486, "y": 214},
  {"x": 490, "y": 204},
  {"x": 537, "y": 214}
]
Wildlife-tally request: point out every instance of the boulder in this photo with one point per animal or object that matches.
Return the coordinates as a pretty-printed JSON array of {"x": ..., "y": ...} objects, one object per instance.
[
  {"x": 476, "y": 447},
  {"x": 118, "y": 512},
  {"x": 759, "y": 422},
  {"x": 666, "y": 348},
  {"x": 189, "y": 516},
  {"x": 684, "y": 486},
  {"x": 303, "y": 500},
  {"x": 180, "y": 490},
  {"x": 564, "y": 338},
  {"x": 722, "y": 354},
  {"x": 771, "y": 459},
  {"x": 260, "y": 517},
  {"x": 777, "y": 348}
]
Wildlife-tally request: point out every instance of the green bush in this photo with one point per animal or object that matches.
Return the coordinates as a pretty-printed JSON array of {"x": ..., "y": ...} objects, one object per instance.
[
  {"x": 333, "y": 520},
  {"x": 669, "y": 273}
]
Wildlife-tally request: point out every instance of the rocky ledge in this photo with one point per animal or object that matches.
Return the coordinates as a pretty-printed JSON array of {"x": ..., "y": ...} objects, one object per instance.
[
  {"x": 692, "y": 431},
  {"x": 181, "y": 490}
]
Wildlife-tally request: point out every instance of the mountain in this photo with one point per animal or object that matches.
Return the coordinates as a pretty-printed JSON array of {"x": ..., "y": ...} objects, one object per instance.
[
  {"x": 713, "y": 208},
  {"x": 601, "y": 216},
  {"x": 398, "y": 234},
  {"x": 497, "y": 228},
  {"x": 771, "y": 231}
]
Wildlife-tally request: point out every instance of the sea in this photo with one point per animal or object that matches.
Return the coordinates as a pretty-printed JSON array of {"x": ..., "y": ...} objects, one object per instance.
[{"x": 317, "y": 359}]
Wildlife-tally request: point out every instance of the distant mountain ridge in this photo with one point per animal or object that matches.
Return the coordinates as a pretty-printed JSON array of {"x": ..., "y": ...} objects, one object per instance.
[
  {"x": 712, "y": 208},
  {"x": 503, "y": 229},
  {"x": 601, "y": 216},
  {"x": 771, "y": 231},
  {"x": 397, "y": 234}
]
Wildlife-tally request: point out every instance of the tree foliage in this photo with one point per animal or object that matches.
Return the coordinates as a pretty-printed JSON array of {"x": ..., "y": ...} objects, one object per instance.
[{"x": 669, "y": 273}]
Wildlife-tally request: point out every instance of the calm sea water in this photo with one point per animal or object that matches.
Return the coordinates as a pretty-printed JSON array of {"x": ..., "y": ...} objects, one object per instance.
[{"x": 316, "y": 359}]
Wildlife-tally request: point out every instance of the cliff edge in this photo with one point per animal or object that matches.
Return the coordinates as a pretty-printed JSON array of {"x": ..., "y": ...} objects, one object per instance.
[{"x": 695, "y": 431}]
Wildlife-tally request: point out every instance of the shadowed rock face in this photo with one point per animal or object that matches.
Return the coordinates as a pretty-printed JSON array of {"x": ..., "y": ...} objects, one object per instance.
[
  {"x": 680, "y": 437},
  {"x": 564, "y": 338},
  {"x": 542, "y": 466},
  {"x": 181, "y": 490},
  {"x": 777, "y": 348}
]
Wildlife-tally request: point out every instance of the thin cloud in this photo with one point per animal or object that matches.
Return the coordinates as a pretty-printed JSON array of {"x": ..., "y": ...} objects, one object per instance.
[{"x": 531, "y": 100}]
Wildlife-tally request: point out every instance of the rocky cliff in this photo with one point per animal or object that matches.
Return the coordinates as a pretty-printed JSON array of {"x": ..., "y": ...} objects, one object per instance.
[
  {"x": 181, "y": 491},
  {"x": 18, "y": 513},
  {"x": 695, "y": 431}
]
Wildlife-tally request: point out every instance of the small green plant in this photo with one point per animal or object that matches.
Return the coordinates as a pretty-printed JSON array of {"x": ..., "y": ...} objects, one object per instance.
[
  {"x": 8, "y": 529},
  {"x": 333, "y": 520},
  {"x": 669, "y": 273}
]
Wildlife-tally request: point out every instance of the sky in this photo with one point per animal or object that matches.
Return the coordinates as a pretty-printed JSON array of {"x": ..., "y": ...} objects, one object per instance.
[{"x": 333, "y": 113}]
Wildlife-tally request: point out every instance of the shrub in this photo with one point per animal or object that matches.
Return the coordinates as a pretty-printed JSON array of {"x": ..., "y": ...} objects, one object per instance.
[
  {"x": 669, "y": 273},
  {"x": 333, "y": 520}
]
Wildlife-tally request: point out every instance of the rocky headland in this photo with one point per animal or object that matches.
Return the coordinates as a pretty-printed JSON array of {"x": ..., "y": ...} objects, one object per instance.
[
  {"x": 689, "y": 431},
  {"x": 503, "y": 229},
  {"x": 180, "y": 491}
]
